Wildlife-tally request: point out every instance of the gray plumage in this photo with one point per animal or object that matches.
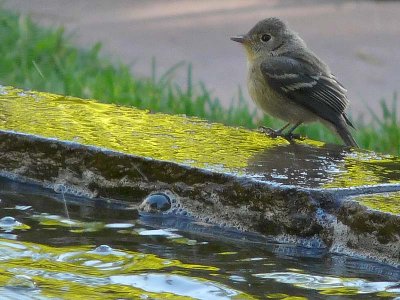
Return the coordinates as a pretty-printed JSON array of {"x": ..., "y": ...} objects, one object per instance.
[{"x": 288, "y": 81}]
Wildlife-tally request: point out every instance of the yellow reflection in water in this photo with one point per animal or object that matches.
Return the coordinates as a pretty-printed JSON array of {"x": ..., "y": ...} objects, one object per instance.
[
  {"x": 81, "y": 272},
  {"x": 329, "y": 285}
]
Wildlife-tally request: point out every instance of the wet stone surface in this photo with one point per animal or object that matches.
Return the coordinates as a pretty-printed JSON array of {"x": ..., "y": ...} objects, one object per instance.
[
  {"x": 307, "y": 193},
  {"x": 98, "y": 254},
  {"x": 192, "y": 142}
]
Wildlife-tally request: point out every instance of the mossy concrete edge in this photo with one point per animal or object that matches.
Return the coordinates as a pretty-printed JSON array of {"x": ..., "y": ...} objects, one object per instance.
[
  {"x": 196, "y": 143},
  {"x": 306, "y": 217}
]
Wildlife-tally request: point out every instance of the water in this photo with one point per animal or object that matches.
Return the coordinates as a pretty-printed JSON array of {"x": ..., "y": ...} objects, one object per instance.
[{"x": 106, "y": 251}]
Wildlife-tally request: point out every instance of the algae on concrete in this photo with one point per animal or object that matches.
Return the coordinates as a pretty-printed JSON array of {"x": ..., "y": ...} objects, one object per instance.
[
  {"x": 193, "y": 142},
  {"x": 383, "y": 202}
]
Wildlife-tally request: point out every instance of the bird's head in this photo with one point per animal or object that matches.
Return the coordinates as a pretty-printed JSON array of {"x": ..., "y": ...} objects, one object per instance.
[{"x": 268, "y": 37}]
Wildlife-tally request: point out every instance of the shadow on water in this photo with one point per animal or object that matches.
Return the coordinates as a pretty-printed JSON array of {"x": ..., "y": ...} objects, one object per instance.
[{"x": 107, "y": 250}]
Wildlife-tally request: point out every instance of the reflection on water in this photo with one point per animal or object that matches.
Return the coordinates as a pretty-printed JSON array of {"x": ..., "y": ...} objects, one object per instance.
[
  {"x": 110, "y": 253},
  {"x": 322, "y": 167},
  {"x": 302, "y": 165}
]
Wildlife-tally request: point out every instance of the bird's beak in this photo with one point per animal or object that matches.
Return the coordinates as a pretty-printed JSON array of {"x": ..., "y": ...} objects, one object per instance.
[{"x": 239, "y": 38}]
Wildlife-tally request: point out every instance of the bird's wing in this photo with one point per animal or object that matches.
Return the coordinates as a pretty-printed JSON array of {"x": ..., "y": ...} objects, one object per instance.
[{"x": 306, "y": 85}]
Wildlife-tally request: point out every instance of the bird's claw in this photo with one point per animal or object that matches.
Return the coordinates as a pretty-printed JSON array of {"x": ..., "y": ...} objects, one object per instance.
[
  {"x": 269, "y": 131},
  {"x": 278, "y": 133},
  {"x": 293, "y": 136}
]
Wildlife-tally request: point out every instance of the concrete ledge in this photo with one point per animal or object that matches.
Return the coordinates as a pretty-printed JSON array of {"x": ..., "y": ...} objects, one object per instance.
[{"x": 306, "y": 193}]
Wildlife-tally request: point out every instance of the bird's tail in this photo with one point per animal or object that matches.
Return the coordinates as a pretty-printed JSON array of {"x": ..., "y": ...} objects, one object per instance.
[{"x": 344, "y": 133}]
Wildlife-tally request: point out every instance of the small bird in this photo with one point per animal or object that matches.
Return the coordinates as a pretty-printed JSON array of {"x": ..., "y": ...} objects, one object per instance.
[{"x": 288, "y": 81}]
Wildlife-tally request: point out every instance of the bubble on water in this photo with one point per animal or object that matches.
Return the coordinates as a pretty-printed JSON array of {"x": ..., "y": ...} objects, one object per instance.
[
  {"x": 107, "y": 250},
  {"x": 157, "y": 202},
  {"x": 103, "y": 249}
]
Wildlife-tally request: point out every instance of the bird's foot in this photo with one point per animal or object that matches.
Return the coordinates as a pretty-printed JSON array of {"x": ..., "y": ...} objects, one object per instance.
[
  {"x": 278, "y": 133},
  {"x": 292, "y": 136},
  {"x": 270, "y": 132}
]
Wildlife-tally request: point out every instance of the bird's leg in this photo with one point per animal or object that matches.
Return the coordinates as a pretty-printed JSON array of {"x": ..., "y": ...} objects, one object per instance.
[
  {"x": 290, "y": 135},
  {"x": 271, "y": 132}
]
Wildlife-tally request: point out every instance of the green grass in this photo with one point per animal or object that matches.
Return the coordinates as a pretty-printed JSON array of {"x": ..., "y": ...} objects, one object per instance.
[{"x": 37, "y": 58}]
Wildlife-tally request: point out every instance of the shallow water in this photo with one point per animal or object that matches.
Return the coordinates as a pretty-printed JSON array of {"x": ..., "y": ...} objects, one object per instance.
[{"x": 107, "y": 251}]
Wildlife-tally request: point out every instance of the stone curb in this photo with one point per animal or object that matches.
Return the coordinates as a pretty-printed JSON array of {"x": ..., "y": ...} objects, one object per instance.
[{"x": 258, "y": 196}]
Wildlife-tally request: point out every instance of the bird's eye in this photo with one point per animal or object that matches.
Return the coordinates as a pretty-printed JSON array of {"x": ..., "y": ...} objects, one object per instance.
[{"x": 265, "y": 37}]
